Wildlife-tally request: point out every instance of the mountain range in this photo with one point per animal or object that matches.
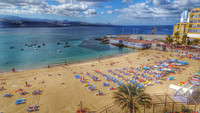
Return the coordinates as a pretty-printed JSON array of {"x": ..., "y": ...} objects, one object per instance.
[{"x": 15, "y": 21}]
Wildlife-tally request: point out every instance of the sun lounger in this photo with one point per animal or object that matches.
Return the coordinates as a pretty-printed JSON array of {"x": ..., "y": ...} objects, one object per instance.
[
  {"x": 36, "y": 92},
  {"x": 7, "y": 95},
  {"x": 88, "y": 84},
  {"x": 92, "y": 88},
  {"x": 125, "y": 73},
  {"x": 111, "y": 88},
  {"x": 77, "y": 76},
  {"x": 171, "y": 78},
  {"x": 140, "y": 86},
  {"x": 105, "y": 84},
  {"x": 115, "y": 81},
  {"x": 182, "y": 62},
  {"x": 23, "y": 93},
  {"x": 146, "y": 68},
  {"x": 33, "y": 106},
  {"x": 30, "y": 110},
  {"x": 98, "y": 93},
  {"x": 119, "y": 82},
  {"x": 134, "y": 82},
  {"x": 20, "y": 100}
]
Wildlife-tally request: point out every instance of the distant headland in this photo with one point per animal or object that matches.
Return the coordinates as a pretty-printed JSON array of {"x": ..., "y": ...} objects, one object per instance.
[{"x": 15, "y": 21}]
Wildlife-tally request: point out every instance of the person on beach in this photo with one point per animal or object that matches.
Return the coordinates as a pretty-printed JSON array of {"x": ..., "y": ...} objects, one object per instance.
[
  {"x": 13, "y": 69},
  {"x": 48, "y": 66},
  {"x": 26, "y": 83}
]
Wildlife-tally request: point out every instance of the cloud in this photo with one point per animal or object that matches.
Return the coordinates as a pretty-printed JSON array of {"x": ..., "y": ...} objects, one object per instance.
[
  {"x": 92, "y": 0},
  {"x": 61, "y": 1},
  {"x": 89, "y": 1},
  {"x": 160, "y": 2},
  {"x": 127, "y": 1},
  {"x": 163, "y": 11},
  {"x": 110, "y": 12},
  {"x": 41, "y": 7},
  {"x": 90, "y": 12},
  {"x": 22, "y": 2}
]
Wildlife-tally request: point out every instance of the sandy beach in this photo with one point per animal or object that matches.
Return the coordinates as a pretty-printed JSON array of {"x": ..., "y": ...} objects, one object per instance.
[{"x": 62, "y": 92}]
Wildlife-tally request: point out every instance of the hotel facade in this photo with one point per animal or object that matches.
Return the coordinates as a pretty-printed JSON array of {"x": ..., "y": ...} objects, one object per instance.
[{"x": 189, "y": 24}]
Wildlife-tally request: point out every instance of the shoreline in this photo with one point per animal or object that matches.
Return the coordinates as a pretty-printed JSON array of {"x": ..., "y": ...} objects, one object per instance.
[
  {"x": 73, "y": 63},
  {"x": 60, "y": 88}
]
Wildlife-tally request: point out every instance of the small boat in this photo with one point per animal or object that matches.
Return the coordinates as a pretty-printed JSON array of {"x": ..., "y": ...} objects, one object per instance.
[
  {"x": 12, "y": 47},
  {"x": 22, "y": 49},
  {"x": 36, "y": 48},
  {"x": 67, "y": 45},
  {"x": 58, "y": 50},
  {"x": 39, "y": 46},
  {"x": 59, "y": 43},
  {"x": 43, "y": 44},
  {"x": 66, "y": 42},
  {"x": 26, "y": 44},
  {"x": 34, "y": 44}
]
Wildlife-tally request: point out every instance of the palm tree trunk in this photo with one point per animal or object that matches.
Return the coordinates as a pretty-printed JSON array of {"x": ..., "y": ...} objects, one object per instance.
[
  {"x": 131, "y": 110},
  {"x": 134, "y": 108}
]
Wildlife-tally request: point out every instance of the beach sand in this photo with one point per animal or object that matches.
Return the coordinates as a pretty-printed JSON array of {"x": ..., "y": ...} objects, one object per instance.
[{"x": 63, "y": 93}]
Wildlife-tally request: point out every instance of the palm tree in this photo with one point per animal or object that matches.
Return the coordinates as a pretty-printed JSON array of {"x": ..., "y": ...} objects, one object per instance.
[
  {"x": 188, "y": 41},
  {"x": 129, "y": 97},
  {"x": 185, "y": 38},
  {"x": 177, "y": 36},
  {"x": 169, "y": 39}
]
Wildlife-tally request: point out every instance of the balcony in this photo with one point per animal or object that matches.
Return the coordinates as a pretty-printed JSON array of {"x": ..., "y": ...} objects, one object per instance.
[
  {"x": 194, "y": 21},
  {"x": 195, "y": 11},
  {"x": 194, "y": 30},
  {"x": 194, "y": 26},
  {"x": 196, "y": 16}
]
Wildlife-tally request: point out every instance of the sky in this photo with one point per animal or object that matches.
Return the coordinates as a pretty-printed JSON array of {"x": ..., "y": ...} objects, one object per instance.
[{"x": 117, "y": 12}]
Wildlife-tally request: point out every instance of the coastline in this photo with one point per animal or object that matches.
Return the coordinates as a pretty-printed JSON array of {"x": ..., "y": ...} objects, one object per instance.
[
  {"x": 62, "y": 92},
  {"x": 76, "y": 62}
]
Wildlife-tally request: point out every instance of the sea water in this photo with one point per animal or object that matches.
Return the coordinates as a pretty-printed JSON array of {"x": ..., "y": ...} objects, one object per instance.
[{"x": 81, "y": 40}]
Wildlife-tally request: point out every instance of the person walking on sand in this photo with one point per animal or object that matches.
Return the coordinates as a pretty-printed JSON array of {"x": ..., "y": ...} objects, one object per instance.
[
  {"x": 13, "y": 69},
  {"x": 26, "y": 83}
]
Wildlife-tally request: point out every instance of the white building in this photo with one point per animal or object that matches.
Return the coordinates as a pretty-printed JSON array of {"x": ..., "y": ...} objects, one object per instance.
[{"x": 185, "y": 16}]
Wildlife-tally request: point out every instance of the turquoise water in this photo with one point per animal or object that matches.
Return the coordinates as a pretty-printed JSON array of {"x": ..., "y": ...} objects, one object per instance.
[{"x": 81, "y": 40}]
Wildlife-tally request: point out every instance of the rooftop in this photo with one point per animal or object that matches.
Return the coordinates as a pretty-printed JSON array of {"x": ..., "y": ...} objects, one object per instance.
[
  {"x": 133, "y": 40},
  {"x": 197, "y": 6}
]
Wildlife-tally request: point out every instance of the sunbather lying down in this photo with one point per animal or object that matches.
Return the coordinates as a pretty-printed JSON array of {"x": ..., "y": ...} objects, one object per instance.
[
  {"x": 42, "y": 82},
  {"x": 28, "y": 85},
  {"x": 7, "y": 95},
  {"x": 99, "y": 93},
  {"x": 37, "y": 92},
  {"x": 2, "y": 88},
  {"x": 33, "y": 108}
]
